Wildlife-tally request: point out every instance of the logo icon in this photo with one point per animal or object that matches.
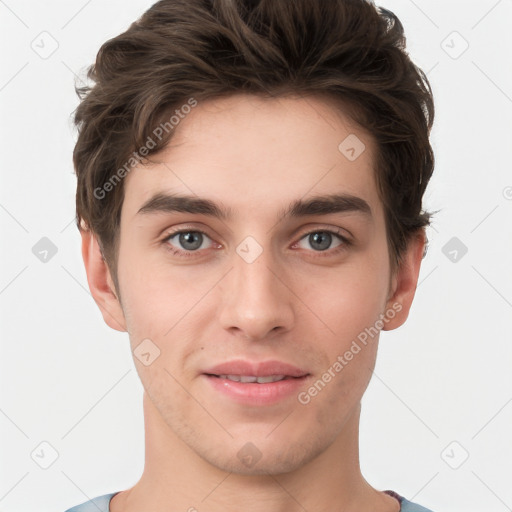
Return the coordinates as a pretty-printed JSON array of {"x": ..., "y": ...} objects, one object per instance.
[
  {"x": 455, "y": 455},
  {"x": 352, "y": 147},
  {"x": 44, "y": 455},
  {"x": 249, "y": 249},
  {"x": 454, "y": 45},
  {"x": 45, "y": 45},
  {"x": 146, "y": 352},
  {"x": 454, "y": 250},
  {"x": 249, "y": 454},
  {"x": 44, "y": 250}
]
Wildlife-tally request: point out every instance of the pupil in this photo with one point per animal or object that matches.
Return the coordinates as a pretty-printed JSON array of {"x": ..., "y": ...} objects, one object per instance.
[
  {"x": 191, "y": 237},
  {"x": 317, "y": 238}
]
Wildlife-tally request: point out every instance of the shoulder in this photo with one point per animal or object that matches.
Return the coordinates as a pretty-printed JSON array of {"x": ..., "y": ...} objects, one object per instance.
[
  {"x": 406, "y": 505},
  {"x": 409, "y": 506},
  {"x": 99, "y": 504}
]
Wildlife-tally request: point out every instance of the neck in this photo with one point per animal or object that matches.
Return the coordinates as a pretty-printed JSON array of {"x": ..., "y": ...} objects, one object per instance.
[{"x": 176, "y": 477}]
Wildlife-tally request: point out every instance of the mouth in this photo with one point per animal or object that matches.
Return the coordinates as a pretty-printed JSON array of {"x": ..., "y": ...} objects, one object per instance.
[
  {"x": 252, "y": 379},
  {"x": 256, "y": 383},
  {"x": 241, "y": 370}
]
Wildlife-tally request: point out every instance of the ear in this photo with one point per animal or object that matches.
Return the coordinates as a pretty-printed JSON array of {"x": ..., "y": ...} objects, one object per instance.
[
  {"x": 404, "y": 282},
  {"x": 100, "y": 282}
]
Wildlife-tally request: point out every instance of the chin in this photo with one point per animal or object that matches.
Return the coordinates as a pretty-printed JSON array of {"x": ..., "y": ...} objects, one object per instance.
[{"x": 262, "y": 458}]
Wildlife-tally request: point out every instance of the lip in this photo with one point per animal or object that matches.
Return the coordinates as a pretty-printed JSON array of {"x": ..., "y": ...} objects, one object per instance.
[
  {"x": 257, "y": 369},
  {"x": 253, "y": 393}
]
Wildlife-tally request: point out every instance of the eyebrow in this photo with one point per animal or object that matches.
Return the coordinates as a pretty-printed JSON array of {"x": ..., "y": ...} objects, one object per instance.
[{"x": 317, "y": 205}]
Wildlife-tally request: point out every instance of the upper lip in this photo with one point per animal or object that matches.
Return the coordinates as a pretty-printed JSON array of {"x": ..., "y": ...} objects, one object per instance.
[{"x": 256, "y": 369}]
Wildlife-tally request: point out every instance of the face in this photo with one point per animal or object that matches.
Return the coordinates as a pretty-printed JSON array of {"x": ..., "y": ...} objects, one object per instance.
[{"x": 264, "y": 283}]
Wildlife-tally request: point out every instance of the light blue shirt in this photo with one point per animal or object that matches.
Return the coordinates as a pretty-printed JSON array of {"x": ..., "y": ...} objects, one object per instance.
[{"x": 101, "y": 504}]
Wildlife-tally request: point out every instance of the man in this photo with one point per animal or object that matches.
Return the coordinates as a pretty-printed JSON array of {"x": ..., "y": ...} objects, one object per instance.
[{"x": 250, "y": 180}]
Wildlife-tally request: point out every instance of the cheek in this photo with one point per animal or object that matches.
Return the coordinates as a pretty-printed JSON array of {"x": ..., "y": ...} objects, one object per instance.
[
  {"x": 346, "y": 301},
  {"x": 164, "y": 307},
  {"x": 156, "y": 296}
]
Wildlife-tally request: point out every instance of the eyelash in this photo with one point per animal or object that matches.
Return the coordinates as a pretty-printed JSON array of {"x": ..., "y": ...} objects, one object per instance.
[{"x": 346, "y": 243}]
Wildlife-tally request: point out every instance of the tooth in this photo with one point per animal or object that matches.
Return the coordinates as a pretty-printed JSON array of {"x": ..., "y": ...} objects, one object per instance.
[
  {"x": 253, "y": 379},
  {"x": 270, "y": 378},
  {"x": 248, "y": 378}
]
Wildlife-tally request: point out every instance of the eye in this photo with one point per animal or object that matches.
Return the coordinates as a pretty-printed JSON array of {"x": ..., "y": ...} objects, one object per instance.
[
  {"x": 321, "y": 241},
  {"x": 187, "y": 241}
]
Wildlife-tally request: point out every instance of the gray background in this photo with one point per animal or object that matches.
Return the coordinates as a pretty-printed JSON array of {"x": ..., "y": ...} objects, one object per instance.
[{"x": 437, "y": 417}]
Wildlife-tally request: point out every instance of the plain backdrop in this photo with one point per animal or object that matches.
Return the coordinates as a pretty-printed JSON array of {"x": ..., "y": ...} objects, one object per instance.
[{"x": 437, "y": 416}]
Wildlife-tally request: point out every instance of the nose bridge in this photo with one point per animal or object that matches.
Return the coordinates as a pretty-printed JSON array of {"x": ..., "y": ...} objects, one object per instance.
[{"x": 255, "y": 301}]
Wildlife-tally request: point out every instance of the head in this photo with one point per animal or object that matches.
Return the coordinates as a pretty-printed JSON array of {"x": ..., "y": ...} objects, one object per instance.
[
  {"x": 249, "y": 104},
  {"x": 181, "y": 52}
]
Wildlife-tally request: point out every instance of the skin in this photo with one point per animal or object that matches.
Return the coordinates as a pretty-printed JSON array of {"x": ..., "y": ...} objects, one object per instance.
[{"x": 294, "y": 303}]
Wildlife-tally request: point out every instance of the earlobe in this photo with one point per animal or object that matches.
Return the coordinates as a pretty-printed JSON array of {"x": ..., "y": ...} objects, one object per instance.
[
  {"x": 101, "y": 283},
  {"x": 404, "y": 283}
]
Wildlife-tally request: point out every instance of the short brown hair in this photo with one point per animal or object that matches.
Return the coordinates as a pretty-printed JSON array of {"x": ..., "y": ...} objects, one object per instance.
[{"x": 348, "y": 50}]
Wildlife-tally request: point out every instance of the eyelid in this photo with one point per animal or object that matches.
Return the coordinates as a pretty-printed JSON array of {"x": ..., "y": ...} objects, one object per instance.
[
  {"x": 186, "y": 229},
  {"x": 342, "y": 233},
  {"x": 339, "y": 232}
]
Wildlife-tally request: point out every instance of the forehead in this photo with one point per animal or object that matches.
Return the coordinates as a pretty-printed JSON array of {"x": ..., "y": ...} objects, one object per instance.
[{"x": 260, "y": 154}]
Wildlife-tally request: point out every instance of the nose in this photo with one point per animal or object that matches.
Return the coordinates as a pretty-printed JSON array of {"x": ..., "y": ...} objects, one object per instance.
[{"x": 256, "y": 301}]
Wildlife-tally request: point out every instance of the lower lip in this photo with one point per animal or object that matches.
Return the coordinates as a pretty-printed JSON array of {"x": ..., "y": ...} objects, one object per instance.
[{"x": 257, "y": 394}]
